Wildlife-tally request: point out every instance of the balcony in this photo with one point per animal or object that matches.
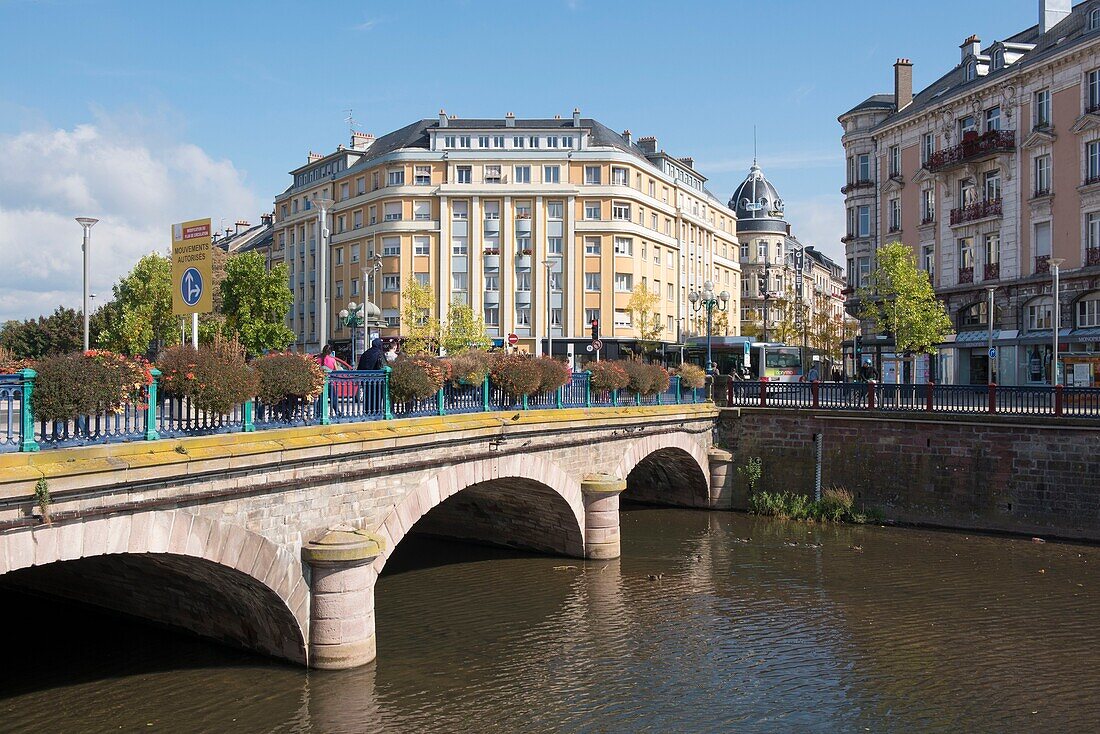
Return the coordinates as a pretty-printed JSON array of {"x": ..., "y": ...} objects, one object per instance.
[
  {"x": 1092, "y": 256},
  {"x": 1042, "y": 264},
  {"x": 863, "y": 183},
  {"x": 1040, "y": 193},
  {"x": 523, "y": 261},
  {"x": 966, "y": 275},
  {"x": 523, "y": 298},
  {"x": 492, "y": 226},
  {"x": 492, "y": 298},
  {"x": 992, "y": 271},
  {"x": 491, "y": 259},
  {"x": 972, "y": 147},
  {"x": 977, "y": 210},
  {"x": 928, "y": 219},
  {"x": 523, "y": 225}
]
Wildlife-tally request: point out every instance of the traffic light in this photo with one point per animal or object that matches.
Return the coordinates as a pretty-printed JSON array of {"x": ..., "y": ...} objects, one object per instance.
[
  {"x": 858, "y": 348},
  {"x": 595, "y": 329}
]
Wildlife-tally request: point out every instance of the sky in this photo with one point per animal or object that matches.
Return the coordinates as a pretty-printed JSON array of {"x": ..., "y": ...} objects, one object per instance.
[{"x": 147, "y": 113}]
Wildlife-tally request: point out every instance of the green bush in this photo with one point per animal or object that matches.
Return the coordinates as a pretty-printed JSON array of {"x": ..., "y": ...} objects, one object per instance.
[
  {"x": 552, "y": 374},
  {"x": 72, "y": 385},
  {"x": 644, "y": 378},
  {"x": 214, "y": 378},
  {"x": 417, "y": 377},
  {"x": 469, "y": 367},
  {"x": 284, "y": 375},
  {"x": 835, "y": 505},
  {"x": 516, "y": 374},
  {"x": 607, "y": 376},
  {"x": 691, "y": 376}
]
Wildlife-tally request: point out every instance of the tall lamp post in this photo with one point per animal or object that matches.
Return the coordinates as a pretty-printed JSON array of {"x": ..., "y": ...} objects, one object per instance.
[
  {"x": 87, "y": 223},
  {"x": 989, "y": 335},
  {"x": 369, "y": 290},
  {"x": 1055, "y": 264},
  {"x": 764, "y": 283},
  {"x": 549, "y": 307},
  {"x": 322, "y": 203},
  {"x": 354, "y": 318},
  {"x": 709, "y": 301}
]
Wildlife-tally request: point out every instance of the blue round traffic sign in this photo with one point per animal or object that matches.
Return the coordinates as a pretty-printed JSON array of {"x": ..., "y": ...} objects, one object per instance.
[
  {"x": 191, "y": 286},
  {"x": 993, "y": 352}
]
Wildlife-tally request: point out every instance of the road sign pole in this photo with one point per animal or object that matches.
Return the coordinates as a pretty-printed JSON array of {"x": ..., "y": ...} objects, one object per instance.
[{"x": 195, "y": 330}]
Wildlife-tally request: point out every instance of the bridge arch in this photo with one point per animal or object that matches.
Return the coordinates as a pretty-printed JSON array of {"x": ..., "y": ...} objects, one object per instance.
[
  {"x": 517, "y": 501},
  {"x": 666, "y": 469},
  {"x": 166, "y": 566}
]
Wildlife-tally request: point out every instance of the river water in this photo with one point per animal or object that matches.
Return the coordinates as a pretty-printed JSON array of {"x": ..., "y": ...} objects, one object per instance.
[{"x": 747, "y": 624}]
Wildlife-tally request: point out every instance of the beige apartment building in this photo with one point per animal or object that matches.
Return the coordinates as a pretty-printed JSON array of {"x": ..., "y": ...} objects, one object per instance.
[
  {"x": 540, "y": 225},
  {"x": 991, "y": 174}
]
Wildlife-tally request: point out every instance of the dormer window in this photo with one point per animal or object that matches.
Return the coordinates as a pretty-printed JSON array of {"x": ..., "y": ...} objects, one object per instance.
[
  {"x": 1094, "y": 19},
  {"x": 998, "y": 59},
  {"x": 971, "y": 71}
]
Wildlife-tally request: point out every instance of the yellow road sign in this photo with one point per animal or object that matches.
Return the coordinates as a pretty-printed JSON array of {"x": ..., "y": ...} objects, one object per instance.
[{"x": 192, "y": 268}]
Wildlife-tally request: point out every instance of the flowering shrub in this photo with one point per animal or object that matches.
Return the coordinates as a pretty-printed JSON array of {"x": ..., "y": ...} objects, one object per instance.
[
  {"x": 416, "y": 378},
  {"x": 647, "y": 379},
  {"x": 72, "y": 385},
  {"x": 10, "y": 364},
  {"x": 607, "y": 376},
  {"x": 552, "y": 374},
  {"x": 516, "y": 374},
  {"x": 285, "y": 375},
  {"x": 215, "y": 378},
  {"x": 469, "y": 367},
  {"x": 691, "y": 376}
]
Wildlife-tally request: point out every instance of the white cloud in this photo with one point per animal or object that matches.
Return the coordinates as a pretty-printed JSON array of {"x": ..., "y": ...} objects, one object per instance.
[
  {"x": 819, "y": 221},
  {"x": 136, "y": 187},
  {"x": 366, "y": 25}
]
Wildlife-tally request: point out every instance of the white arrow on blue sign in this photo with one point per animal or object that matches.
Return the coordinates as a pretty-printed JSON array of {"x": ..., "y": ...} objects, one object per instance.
[{"x": 993, "y": 352}]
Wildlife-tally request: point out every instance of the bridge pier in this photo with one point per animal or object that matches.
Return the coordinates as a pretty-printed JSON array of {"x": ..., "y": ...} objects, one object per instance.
[
  {"x": 341, "y": 609},
  {"x": 721, "y": 484},
  {"x": 601, "y": 515}
]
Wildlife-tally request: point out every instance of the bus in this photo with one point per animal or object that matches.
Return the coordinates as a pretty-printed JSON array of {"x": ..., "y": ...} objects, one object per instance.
[{"x": 777, "y": 362}]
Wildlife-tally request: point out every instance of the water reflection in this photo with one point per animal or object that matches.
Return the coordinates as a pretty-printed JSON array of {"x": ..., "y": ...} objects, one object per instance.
[{"x": 709, "y": 622}]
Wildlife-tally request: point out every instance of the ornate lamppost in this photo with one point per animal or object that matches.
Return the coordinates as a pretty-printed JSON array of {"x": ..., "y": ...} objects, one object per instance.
[
  {"x": 710, "y": 301},
  {"x": 354, "y": 318}
]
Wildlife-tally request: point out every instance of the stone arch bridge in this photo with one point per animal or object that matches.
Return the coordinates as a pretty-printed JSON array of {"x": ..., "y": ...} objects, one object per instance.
[{"x": 273, "y": 541}]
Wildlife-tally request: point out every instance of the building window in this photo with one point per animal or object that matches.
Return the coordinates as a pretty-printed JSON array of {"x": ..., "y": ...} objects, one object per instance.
[
  {"x": 928, "y": 147},
  {"x": 592, "y": 175},
  {"x": 459, "y": 282},
  {"x": 620, "y": 211},
  {"x": 518, "y": 141},
  {"x": 554, "y": 210},
  {"x": 498, "y": 141},
  {"x": 1040, "y": 314},
  {"x": 460, "y": 210},
  {"x": 551, "y": 141},
  {"x": 1094, "y": 19},
  {"x": 422, "y": 210},
  {"x": 591, "y": 245},
  {"x": 492, "y": 282},
  {"x": 591, "y": 314},
  {"x": 1093, "y": 227},
  {"x": 1041, "y": 238},
  {"x": 523, "y": 316},
  {"x": 360, "y": 186},
  {"x": 974, "y": 315},
  {"x": 592, "y": 282},
  {"x": 624, "y": 282},
  {"x": 992, "y": 185},
  {"x": 391, "y": 212},
  {"x": 864, "y": 219},
  {"x": 993, "y": 249},
  {"x": 553, "y": 245},
  {"x": 534, "y": 140},
  {"x": 391, "y": 246},
  {"x": 567, "y": 141},
  {"x": 555, "y": 282},
  {"x": 998, "y": 59},
  {"x": 971, "y": 71},
  {"x": 993, "y": 119},
  {"x": 1088, "y": 311},
  {"x": 622, "y": 319},
  {"x": 523, "y": 281},
  {"x": 483, "y": 141},
  {"x": 492, "y": 315},
  {"x": 465, "y": 174},
  {"x": 967, "y": 125},
  {"x": 449, "y": 141},
  {"x": 864, "y": 167},
  {"x": 928, "y": 206},
  {"x": 391, "y": 283},
  {"x": 354, "y": 287},
  {"x": 1092, "y": 162},
  {"x": 373, "y": 215},
  {"x": 863, "y": 272},
  {"x": 930, "y": 261},
  {"x": 422, "y": 176},
  {"x": 895, "y": 160},
  {"x": 555, "y": 317},
  {"x": 620, "y": 176},
  {"x": 492, "y": 174},
  {"x": 395, "y": 177},
  {"x": 339, "y": 255},
  {"x": 459, "y": 246},
  {"x": 966, "y": 252},
  {"x": 670, "y": 260},
  {"x": 357, "y": 219},
  {"x": 1042, "y": 175},
  {"x": 624, "y": 246},
  {"x": 422, "y": 245},
  {"x": 895, "y": 215},
  {"x": 1042, "y": 108},
  {"x": 551, "y": 174},
  {"x": 1093, "y": 100},
  {"x": 522, "y": 174},
  {"x": 592, "y": 210}
]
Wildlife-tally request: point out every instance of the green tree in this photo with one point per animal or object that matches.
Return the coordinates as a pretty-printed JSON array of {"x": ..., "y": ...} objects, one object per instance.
[
  {"x": 421, "y": 329},
  {"x": 463, "y": 330},
  {"x": 900, "y": 300},
  {"x": 143, "y": 299},
  {"x": 643, "y": 313},
  {"x": 255, "y": 302},
  {"x": 59, "y": 333}
]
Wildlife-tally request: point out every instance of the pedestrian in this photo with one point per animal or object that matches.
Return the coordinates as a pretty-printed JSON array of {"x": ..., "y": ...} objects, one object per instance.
[
  {"x": 328, "y": 361},
  {"x": 374, "y": 358},
  {"x": 813, "y": 375},
  {"x": 391, "y": 352}
]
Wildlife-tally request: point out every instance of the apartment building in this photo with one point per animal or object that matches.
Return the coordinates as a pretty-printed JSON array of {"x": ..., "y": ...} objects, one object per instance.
[
  {"x": 540, "y": 225},
  {"x": 771, "y": 256},
  {"x": 991, "y": 174}
]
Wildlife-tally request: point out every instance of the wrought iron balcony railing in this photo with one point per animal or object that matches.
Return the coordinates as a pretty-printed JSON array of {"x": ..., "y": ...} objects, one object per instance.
[
  {"x": 972, "y": 147},
  {"x": 992, "y": 271},
  {"x": 1042, "y": 264},
  {"x": 966, "y": 275},
  {"x": 1092, "y": 256},
  {"x": 977, "y": 210}
]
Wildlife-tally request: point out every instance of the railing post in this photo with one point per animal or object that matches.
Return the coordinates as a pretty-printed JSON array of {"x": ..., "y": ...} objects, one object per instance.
[
  {"x": 637, "y": 398},
  {"x": 1057, "y": 400},
  {"x": 871, "y": 395},
  {"x": 151, "y": 407},
  {"x": 992, "y": 397},
  {"x": 325, "y": 418},
  {"x": 26, "y": 413},
  {"x": 485, "y": 394},
  {"x": 387, "y": 405},
  {"x": 615, "y": 397},
  {"x": 524, "y": 403},
  {"x": 763, "y": 392},
  {"x": 729, "y": 392},
  {"x": 588, "y": 389},
  {"x": 440, "y": 399},
  {"x": 559, "y": 398},
  {"x": 930, "y": 390},
  {"x": 679, "y": 390},
  {"x": 248, "y": 415}
]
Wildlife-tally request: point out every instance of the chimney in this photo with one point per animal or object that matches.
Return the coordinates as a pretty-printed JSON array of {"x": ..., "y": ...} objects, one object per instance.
[
  {"x": 557, "y": 117},
  {"x": 972, "y": 46},
  {"x": 626, "y": 136},
  {"x": 442, "y": 118},
  {"x": 510, "y": 120},
  {"x": 688, "y": 161},
  {"x": 648, "y": 144},
  {"x": 313, "y": 157},
  {"x": 1052, "y": 12},
  {"x": 239, "y": 225},
  {"x": 903, "y": 83},
  {"x": 265, "y": 219},
  {"x": 576, "y": 117},
  {"x": 361, "y": 141}
]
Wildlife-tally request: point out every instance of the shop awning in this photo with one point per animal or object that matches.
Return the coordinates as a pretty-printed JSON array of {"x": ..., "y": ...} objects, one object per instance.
[{"x": 1085, "y": 335}]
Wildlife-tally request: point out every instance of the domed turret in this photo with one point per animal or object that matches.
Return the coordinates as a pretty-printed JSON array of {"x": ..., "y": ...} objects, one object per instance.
[{"x": 758, "y": 205}]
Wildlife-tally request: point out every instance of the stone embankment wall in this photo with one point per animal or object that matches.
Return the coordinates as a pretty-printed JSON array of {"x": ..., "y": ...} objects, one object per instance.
[{"x": 1023, "y": 475}]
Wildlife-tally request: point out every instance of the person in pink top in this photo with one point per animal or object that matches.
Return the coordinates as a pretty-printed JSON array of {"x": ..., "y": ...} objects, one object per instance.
[{"x": 328, "y": 361}]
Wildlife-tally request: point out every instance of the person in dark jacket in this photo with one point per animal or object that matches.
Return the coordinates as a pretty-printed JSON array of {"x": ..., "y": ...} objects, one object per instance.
[{"x": 374, "y": 358}]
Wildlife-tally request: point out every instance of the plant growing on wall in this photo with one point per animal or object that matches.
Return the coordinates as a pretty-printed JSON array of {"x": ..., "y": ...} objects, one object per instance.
[
  {"x": 750, "y": 472},
  {"x": 42, "y": 499},
  {"x": 900, "y": 301}
]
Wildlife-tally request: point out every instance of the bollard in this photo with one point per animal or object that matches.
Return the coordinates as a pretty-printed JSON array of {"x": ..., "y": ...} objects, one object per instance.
[
  {"x": 1057, "y": 400},
  {"x": 992, "y": 397},
  {"x": 815, "y": 390},
  {"x": 928, "y": 394},
  {"x": 871, "y": 395},
  {"x": 763, "y": 392}
]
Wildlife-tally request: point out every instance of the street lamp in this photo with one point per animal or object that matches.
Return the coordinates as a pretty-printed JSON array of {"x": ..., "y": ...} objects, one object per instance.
[
  {"x": 353, "y": 317},
  {"x": 1055, "y": 263},
  {"x": 549, "y": 307},
  {"x": 322, "y": 203},
  {"x": 87, "y": 223},
  {"x": 989, "y": 336},
  {"x": 707, "y": 300},
  {"x": 369, "y": 289}
]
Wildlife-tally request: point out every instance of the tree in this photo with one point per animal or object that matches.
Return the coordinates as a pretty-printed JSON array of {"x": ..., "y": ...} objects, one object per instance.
[
  {"x": 255, "y": 302},
  {"x": 900, "y": 300},
  {"x": 420, "y": 326},
  {"x": 143, "y": 303},
  {"x": 463, "y": 330},
  {"x": 788, "y": 330},
  {"x": 59, "y": 333},
  {"x": 647, "y": 320}
]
